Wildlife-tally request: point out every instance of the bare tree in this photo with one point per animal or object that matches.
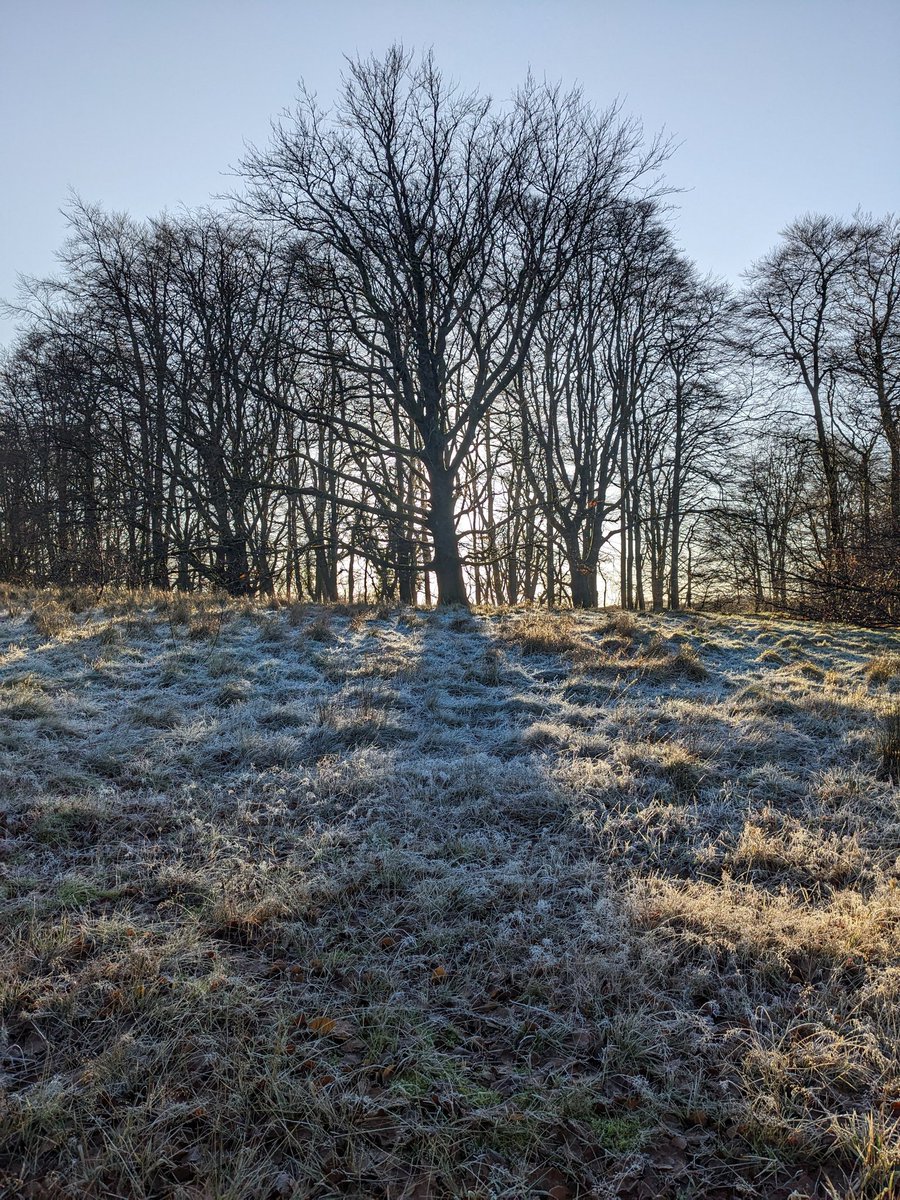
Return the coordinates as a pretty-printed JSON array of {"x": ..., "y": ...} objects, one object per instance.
[
  {"x": 873, "y": 309},
  {"x": 571, "y": 419},
  {"x": 792, "y": 310},
  {"x": 442, "y": 227},
  {"x": 700, "y": 408}
]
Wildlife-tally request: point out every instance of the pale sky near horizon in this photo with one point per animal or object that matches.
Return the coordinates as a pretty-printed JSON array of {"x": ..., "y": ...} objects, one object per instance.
[{"x": 778, "y": 107}]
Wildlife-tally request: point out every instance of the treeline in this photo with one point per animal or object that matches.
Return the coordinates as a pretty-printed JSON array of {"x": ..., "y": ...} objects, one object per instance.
[
  {"x": 809, "y": 518},
  {"x": 441, "y": 350}
]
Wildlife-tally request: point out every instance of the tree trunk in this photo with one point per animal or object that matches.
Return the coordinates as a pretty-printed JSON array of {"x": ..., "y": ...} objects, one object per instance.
[
  {"x": 406, "y": 569},
  {"x": 584, "y": 586},
  {"x": 675, "y": 500},
  {"x": 446, "y": 562}
]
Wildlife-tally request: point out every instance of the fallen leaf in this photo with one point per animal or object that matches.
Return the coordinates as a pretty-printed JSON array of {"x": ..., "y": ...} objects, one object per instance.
[{"x": 322, "y": 1026}]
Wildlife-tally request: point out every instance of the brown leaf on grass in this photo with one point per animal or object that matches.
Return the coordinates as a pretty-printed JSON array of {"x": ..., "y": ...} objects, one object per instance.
[{"x": 321, "y": 1026}]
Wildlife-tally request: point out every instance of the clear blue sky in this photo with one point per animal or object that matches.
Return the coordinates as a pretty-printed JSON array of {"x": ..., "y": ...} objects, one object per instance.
[{"x": 779, "y": 106}]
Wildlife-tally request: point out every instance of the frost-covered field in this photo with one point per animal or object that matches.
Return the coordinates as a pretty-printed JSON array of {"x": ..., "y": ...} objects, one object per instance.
[{"x": 382, "y": 903}]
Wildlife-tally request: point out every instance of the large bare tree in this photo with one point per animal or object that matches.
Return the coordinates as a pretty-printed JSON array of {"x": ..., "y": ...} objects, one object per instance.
[{"x": 441, "y": 225}]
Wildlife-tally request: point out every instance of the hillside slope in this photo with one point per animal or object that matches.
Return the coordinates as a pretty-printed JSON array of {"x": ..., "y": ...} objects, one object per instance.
[{"x": 383, "y": 903}]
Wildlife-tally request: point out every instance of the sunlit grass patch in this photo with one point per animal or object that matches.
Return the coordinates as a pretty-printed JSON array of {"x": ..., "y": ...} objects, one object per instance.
[
  {"x": 795, "y": 854},
  {"x": 685, "y": 663},
  {"x": 811, "y": 671},
  {"x": 544, "y": 633},
  {"x": 873, "y": 1141},
  {"x": 755, "y": 922},
  {"x": 677, "y": 766},
  {"x": 51, "y": 619},
  {"x": 884, "y": 668}
]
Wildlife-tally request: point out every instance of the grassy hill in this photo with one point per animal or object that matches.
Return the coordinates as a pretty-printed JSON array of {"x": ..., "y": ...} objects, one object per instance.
[{"x": 384, "y": 903}]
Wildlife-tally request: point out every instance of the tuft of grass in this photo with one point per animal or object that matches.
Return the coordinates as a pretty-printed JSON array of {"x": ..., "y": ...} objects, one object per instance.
[
  {"x": 23, "y": 698},
  {"x": 883, "y": 668},
  {"x": 874, "y": 1141},
  {"x": 619, "y": 1135},
  {"x": 772, "y": 656},
  {"x": 179, "y": 611},
  {"x": 544, "y": 633},
  {"x": 686, "y": 664},
  {"x": 234, "y": 691},
  {"x": 77, "y": 892},
  {"x": 888, "y": 745},
  {"x": 50, "y": 619},
  {"x": 205, "y": 628},
  {"x": 462, "y": 621},
  {"x": 812, "y": 671},
  {"x": 296, "y": 613},
  {"x": 682, "y": 770},
  {"x": 654, "y": 662},
  {"x": 111, "y": 635},
  {"x": 491, "y": 674},
  {"x": 63, "y": 822},
  {"x": 622, "y": 624},
  {"x": 320, "y": 629}
]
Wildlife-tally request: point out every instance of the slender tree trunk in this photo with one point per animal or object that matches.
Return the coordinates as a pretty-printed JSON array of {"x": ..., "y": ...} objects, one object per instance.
[
  {"x": 675, "y": 501},
  {"x": 830, "y": 471},
  {"x": 625, "y": 536}
]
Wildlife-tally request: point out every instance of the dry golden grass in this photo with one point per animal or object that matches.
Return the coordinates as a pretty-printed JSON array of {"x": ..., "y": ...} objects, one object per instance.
[
  {"x": 543, "y": 633},
  {"x": 883, "y": 668}
]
